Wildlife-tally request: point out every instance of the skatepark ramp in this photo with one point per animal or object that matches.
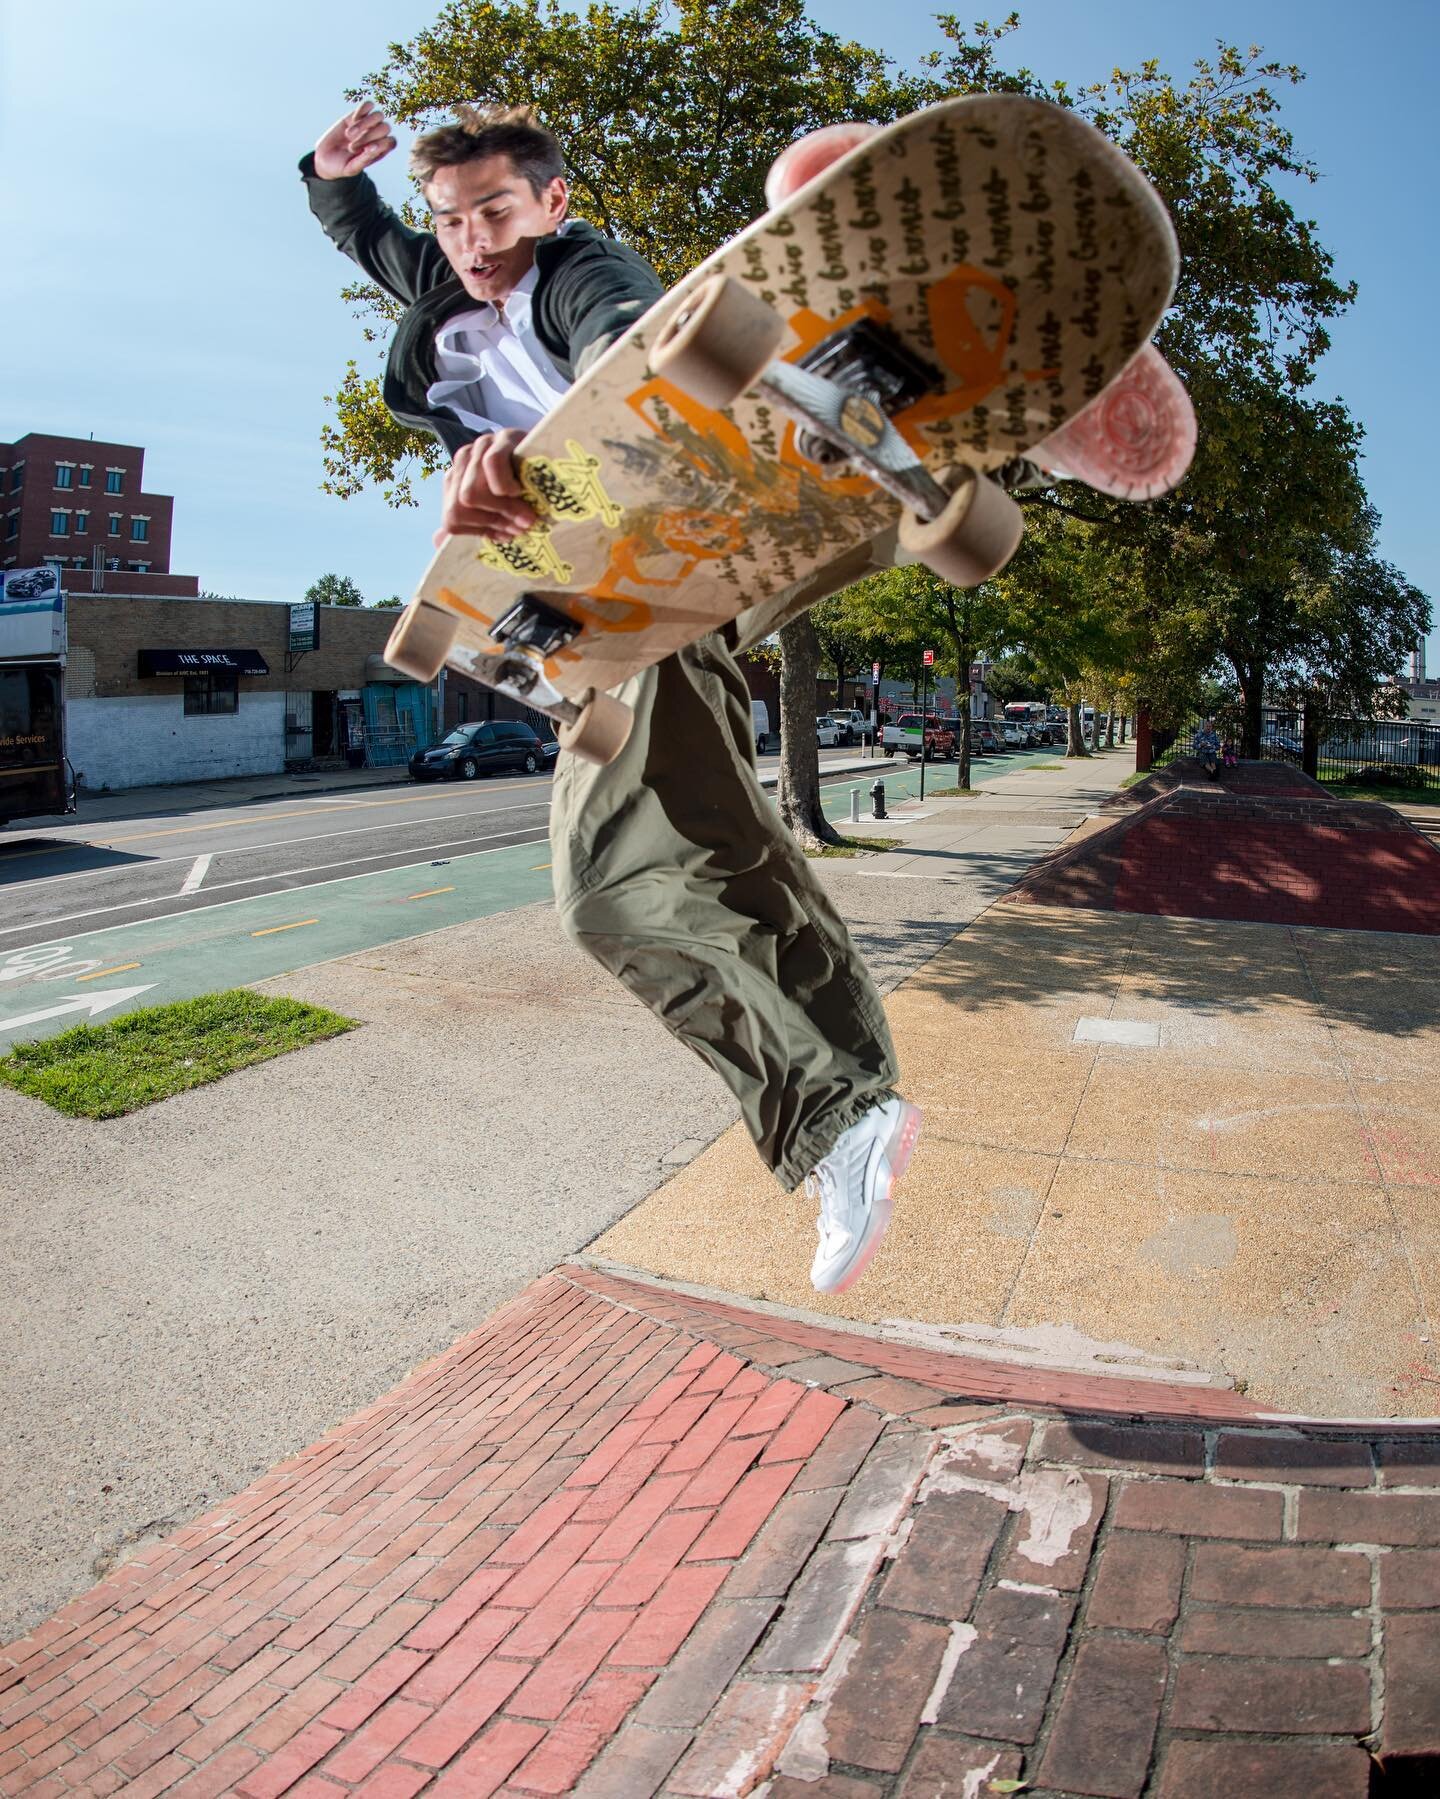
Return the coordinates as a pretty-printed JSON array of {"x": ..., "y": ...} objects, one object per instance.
[{"x": 1265, "y": 845}]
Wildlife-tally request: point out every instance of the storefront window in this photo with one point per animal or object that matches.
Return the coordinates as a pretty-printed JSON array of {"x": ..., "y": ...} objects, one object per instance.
[{"x": 211, "y": 693}]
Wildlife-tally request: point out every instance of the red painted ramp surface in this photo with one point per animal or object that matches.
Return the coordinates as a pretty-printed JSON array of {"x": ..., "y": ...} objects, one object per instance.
[
  {"x": 1268, "y": 846},
  {"x": 623, "y": 1542}
]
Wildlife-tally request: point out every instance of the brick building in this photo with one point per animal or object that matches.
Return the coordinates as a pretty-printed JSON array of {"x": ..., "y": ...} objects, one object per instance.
[
  {"x": 161, "y": 690},
  {"x": 82, "y": 506}
]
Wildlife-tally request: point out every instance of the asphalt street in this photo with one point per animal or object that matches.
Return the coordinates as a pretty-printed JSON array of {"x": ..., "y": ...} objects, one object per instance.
[{"x": 105, "y": 917}]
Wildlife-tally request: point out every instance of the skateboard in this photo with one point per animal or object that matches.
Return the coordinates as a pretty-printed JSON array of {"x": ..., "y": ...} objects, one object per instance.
[{"x": 849, "y": 369}]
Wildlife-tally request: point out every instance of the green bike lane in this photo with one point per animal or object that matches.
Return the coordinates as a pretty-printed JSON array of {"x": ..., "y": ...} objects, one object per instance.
[{"x": 95, "y": 975}]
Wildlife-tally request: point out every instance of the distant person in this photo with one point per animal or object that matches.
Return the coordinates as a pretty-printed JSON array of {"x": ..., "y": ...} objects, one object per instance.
[{"x": 1206, "y": 748}]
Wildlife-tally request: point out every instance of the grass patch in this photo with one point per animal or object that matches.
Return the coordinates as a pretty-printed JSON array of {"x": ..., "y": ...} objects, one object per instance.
[
  {"x": 1035, "y": 766},
  {"x": 1387, "y": 796},
  {"x": 1135, "y": 779},
  {"x": 952, "y": 793},
  {"x": 106, "y": 1070},
  {"x": 857, "y": 846}
]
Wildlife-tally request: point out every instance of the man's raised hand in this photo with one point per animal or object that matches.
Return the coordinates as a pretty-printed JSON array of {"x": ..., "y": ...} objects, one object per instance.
[
  {"x": 483, "y": 495},
  {"x": 353, "y": 143}
]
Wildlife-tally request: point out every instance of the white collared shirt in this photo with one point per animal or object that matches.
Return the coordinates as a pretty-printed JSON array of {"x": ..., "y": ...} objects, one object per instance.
[{"x": 493, "y": 371}]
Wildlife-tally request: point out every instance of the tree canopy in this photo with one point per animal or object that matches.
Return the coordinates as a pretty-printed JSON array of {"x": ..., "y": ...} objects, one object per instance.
[
  {"x": 334, "y": 590},
  {"x": 1264, "y": 557}
]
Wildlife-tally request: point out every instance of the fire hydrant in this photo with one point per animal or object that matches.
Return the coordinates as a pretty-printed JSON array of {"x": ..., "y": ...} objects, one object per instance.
[{"x": 877, "y": 800}]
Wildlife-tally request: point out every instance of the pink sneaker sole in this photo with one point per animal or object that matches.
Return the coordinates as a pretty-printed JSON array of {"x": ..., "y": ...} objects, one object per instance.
[{"x": 898, "y": 1152}]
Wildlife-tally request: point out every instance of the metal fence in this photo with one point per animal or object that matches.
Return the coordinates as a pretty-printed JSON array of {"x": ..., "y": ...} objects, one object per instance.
[{"x": 1402, "y": 754}]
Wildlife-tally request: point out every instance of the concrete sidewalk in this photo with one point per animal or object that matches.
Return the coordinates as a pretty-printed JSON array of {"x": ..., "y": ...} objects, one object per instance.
[
  {"x": 1165, "y": 1143},
  {"x": 630, "y": 1538},
  {"x": 277, "y": 1248},
  {"x": 620, "y": 1542}
]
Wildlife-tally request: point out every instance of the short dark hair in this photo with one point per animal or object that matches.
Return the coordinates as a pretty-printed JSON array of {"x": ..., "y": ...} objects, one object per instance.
[{"x": 511, "y": 131}]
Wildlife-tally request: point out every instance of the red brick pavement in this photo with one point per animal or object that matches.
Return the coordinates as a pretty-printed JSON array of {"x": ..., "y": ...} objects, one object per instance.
[
  {"x": 1267, "y": 847},
  {"x": 607, "y": 1545}
]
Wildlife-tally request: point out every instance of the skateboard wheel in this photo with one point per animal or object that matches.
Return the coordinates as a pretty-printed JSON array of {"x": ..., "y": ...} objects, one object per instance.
[
  {"x": 718, "y": 343},
  {"x": 973, "y": 538},
  {"x": 601, "y": 731},
  {"x": 421, "y": 641}
]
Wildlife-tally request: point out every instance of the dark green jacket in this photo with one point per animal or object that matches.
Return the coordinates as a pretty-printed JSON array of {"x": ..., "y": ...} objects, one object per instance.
[{"x": 590, "y": 290}]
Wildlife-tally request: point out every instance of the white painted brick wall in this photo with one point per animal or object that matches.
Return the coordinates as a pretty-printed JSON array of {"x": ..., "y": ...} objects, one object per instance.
[{"x": 147, "y": 741}]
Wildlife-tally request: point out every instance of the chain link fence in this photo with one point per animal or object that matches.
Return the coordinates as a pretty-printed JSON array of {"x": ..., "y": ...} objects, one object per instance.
[{"x": 1400, "y": 754}]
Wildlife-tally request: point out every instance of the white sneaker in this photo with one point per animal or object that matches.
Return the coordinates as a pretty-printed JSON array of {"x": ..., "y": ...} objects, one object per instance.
[{"x": 853, "y": 1186}]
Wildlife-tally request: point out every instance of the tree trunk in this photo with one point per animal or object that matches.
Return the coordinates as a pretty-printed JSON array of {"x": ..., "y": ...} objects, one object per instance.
[
  {"x": 1076, "y": 747},
  {"x": 1110, "y": 723},
  {"x": 1144, "y": 745},
  {"x": 961, "y": 647},
  {"x": 1252, "y": 688},
  {"x": 1310, "y": 742},
  {"x": 1124, "y": 720},
  {"x": 799, "y": 786}
]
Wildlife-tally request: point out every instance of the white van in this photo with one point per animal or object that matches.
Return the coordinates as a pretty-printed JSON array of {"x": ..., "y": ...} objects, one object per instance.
[{"x": 760, "y": 719}]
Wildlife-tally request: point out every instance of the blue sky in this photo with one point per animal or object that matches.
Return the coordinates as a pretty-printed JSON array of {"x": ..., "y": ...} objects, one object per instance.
[{"x": 166, "y": 286}]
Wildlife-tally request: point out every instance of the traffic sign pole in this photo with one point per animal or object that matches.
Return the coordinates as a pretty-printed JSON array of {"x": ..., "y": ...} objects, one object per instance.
[{"x": 928, "y": 662}]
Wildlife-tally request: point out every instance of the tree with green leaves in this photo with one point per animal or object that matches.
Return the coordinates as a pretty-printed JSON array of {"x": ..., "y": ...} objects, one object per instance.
[
  {"x": 1275, "y": 493},
  {"x": 1071, "y": 596},
  {"x": 669, "y": 115},
  {"x": 334, "y": 590},
  {"x": 911, "y": 605},
  {"x": 393, "y": 604}
]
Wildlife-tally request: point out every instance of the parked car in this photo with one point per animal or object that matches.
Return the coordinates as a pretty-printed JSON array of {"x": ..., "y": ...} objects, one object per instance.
[
  {"x": 760, "y": 720},
  {"x": 483, "y": 749},
  {"x": 1013, "y": 736},
  {"x": 936, "y": 739},
  {"x": 854, "y": 724},
  {"x": 982, "y": 738},
  {"x": 827, "y": 732}
]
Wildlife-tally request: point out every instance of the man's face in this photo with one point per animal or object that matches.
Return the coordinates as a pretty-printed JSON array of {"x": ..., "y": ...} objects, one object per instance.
[{"x": 487, "y": 219}]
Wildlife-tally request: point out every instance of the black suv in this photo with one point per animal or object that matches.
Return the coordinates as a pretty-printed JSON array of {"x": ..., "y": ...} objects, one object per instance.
[{"x": 480, "y": 749}]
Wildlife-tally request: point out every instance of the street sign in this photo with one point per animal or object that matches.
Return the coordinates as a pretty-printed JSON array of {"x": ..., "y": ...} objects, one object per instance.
[
  {"x": 875, "y": 673},
  {"x": 929, "y": 658},
  {"x": 304, "y": 627}
]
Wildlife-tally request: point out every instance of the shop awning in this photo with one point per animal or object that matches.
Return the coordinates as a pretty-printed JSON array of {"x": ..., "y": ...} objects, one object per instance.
[{"x": 203, "y": 662}]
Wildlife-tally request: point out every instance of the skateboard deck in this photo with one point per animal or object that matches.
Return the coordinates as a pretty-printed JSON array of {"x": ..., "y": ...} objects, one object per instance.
[{"x": 981, "y": 270}]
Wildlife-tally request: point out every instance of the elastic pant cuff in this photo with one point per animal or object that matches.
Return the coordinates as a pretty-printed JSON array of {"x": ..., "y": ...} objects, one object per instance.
[{"x": 821, "y": 1138}]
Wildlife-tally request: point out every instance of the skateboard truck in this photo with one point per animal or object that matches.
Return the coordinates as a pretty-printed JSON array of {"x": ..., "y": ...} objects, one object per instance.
[
  {"x": 595, "y": 727},
  {"x": 868, "y": 359},
  {"x": 721, "y": 342},
  {"x": 529, "y": 632}
]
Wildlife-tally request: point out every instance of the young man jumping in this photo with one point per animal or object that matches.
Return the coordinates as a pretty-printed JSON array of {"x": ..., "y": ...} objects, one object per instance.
[{"x": 671, "y": 867}]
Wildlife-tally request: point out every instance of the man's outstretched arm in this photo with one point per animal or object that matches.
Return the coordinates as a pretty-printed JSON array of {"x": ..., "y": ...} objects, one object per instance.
[{"x": 405, "y": 262}]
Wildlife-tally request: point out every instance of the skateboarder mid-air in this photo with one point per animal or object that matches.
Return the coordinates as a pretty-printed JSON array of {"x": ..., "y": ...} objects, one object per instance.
[{"x": 671, "y": 867}]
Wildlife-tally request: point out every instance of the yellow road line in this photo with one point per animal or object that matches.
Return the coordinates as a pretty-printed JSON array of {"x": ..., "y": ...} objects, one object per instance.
[
  {"x": 100, "y": 973},
  {"x": 429, "y": 893},
  {"x": 272, "y": 929},
  {"x": 537, "y": 866},
  {"x": 263, "y": 818}
]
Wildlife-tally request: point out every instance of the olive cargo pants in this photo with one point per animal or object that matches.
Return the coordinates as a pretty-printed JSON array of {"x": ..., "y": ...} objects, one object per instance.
[{"x": 673, "y": 871}]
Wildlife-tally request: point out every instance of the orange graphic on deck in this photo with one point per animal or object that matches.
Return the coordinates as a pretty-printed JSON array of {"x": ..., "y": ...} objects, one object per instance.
[{"x": 962, "y": 344}]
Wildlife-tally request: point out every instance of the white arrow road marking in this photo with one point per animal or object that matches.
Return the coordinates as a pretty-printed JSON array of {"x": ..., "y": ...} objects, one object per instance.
[
  {"x": 89, "y": 1002},
  {"x": 197, "y": 874}
]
